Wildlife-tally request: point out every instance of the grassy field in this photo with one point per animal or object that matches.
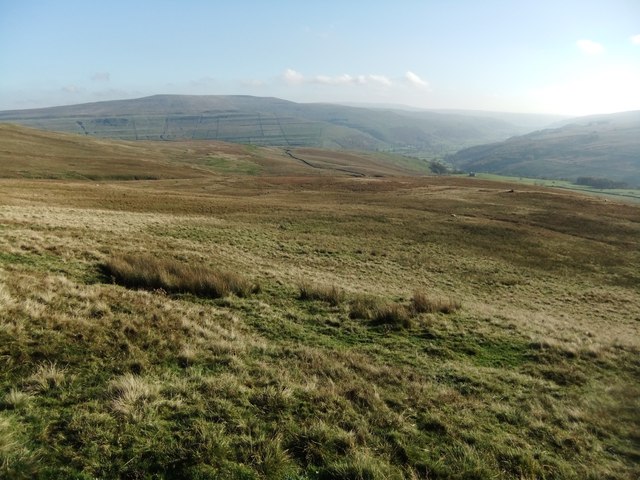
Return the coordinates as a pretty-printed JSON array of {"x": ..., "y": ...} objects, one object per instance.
[
  {"x": 625, "y": 194},
  {"x": 316, "y": 326}
]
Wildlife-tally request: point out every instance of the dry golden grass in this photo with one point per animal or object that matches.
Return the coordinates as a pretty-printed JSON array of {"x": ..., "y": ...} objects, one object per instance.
[
  {"x": 15, "y": 399},
  {"x": 47, "y": 376},
  {"x": 132, "y": 395},
  {"x": 330, "y": 294},
  {"x": 421, "y": 302}
]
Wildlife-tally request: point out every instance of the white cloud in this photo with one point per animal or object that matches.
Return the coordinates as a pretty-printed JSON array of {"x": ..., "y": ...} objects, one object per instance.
[
  {"x": 635, "y": 39},
  {"x": 381, "y": 79},
  {"x": 344, "y": 79},
  {"x": 292, "y": 77},
  {"x": 101, "y": 77},
  {"x": 590, "y": 47},
  {"x": 415, "y": 80}
]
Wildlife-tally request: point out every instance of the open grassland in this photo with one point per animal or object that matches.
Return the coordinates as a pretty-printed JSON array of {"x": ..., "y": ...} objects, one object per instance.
[
  {"x": 36, "y": 154},
  {"x": 387, "y": 328},
  {"x": 627, "y": 194}
]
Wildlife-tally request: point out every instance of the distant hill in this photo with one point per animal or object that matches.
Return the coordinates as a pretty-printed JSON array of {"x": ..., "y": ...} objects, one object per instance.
[
  {"x": 272, "y": 121},
  {"x": 600, "y": 146},
  {"x": 29, "y": 153}
]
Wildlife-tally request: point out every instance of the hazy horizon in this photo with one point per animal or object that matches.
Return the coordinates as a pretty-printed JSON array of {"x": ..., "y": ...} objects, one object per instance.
[{"x": 577, "y": 58}]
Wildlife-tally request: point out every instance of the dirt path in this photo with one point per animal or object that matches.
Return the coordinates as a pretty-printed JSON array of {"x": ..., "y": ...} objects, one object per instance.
[{"x": 309, "y": 164}]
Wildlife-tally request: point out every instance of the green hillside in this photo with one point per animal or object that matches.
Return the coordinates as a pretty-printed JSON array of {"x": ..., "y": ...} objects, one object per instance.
[
  {"x": 271, "y": 121},
  {"x": 604, "y": 147}
]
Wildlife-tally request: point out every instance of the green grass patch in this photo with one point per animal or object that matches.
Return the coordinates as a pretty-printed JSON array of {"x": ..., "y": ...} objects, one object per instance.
[
  {"x": 495, "y": 352},
  {"x": 632, "y": 194},
  {"x": 231, "y": 166}
]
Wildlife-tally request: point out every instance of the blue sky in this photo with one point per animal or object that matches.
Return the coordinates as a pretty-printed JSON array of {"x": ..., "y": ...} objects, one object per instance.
[{"x": 562, "y": 56}]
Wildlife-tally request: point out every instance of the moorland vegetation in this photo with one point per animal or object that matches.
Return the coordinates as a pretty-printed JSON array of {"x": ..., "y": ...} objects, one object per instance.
[{"x": 246, "y": 316}]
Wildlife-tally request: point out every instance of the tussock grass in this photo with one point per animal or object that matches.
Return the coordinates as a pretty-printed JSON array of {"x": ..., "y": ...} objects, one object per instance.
[
  {"x": 421, "y": 302},
  {"x": 16, "y": 399},
  {"x": 326, "y": 293},
  {"x": 380, "y": 312},
  {"x": 131, "y": 395},
  {"x": 6, "y": 300},
  {"x": 363, "y": 307},
  {"x": 47, "y": 376},
  {"x": 392, "y": 314},
  {"x": 152, "y": 273}
]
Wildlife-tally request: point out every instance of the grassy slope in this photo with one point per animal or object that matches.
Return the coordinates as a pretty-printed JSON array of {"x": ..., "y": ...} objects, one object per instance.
[
  {"x": 626, "y": 194},
  {"x": 536, "y": 376},
  {"x": 31, "y": 153},
  {"x": 603, "y": 147}
]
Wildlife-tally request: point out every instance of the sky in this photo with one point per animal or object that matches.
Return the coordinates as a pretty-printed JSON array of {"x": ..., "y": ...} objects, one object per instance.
[{"x": 539, "y": 56}]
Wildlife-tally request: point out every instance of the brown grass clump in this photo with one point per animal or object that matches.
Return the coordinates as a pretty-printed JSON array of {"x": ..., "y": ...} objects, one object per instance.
[
  {"x": 424, "y": 303},
  {"x": 152, "y": 273},
  {"x": 15, "y": 399},
  {"x": 393, "y": 314},
  {"x": 331, "y": 294},
  {"x": 132, "y": 394},
  {"x": 363, "y": 307},
  {"x": 379, "y": 312},
  {"x": 47, "y": 376}
]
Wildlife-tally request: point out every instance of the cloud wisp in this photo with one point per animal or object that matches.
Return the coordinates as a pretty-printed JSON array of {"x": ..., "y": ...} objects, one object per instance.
[
  {"x": 635, "y": 39},
  {"x": 415, "y": 80},
  {"x": 293, "y": 77},
  {"x": 589, "y": 47}
]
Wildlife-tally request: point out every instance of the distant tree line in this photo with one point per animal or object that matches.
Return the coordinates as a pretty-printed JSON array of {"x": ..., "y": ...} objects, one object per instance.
[
  {"x": 600, "y": 182},
  {"x": 438, "y": 168}
]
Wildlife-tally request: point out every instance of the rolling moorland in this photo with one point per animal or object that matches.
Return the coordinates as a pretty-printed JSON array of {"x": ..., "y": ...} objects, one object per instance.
[
  {"x": 203, "y": 310},
  {"x": 600, "y": 151},
  {"x": 602, "y": 146},
  {"x": 275, "y": 122}
]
